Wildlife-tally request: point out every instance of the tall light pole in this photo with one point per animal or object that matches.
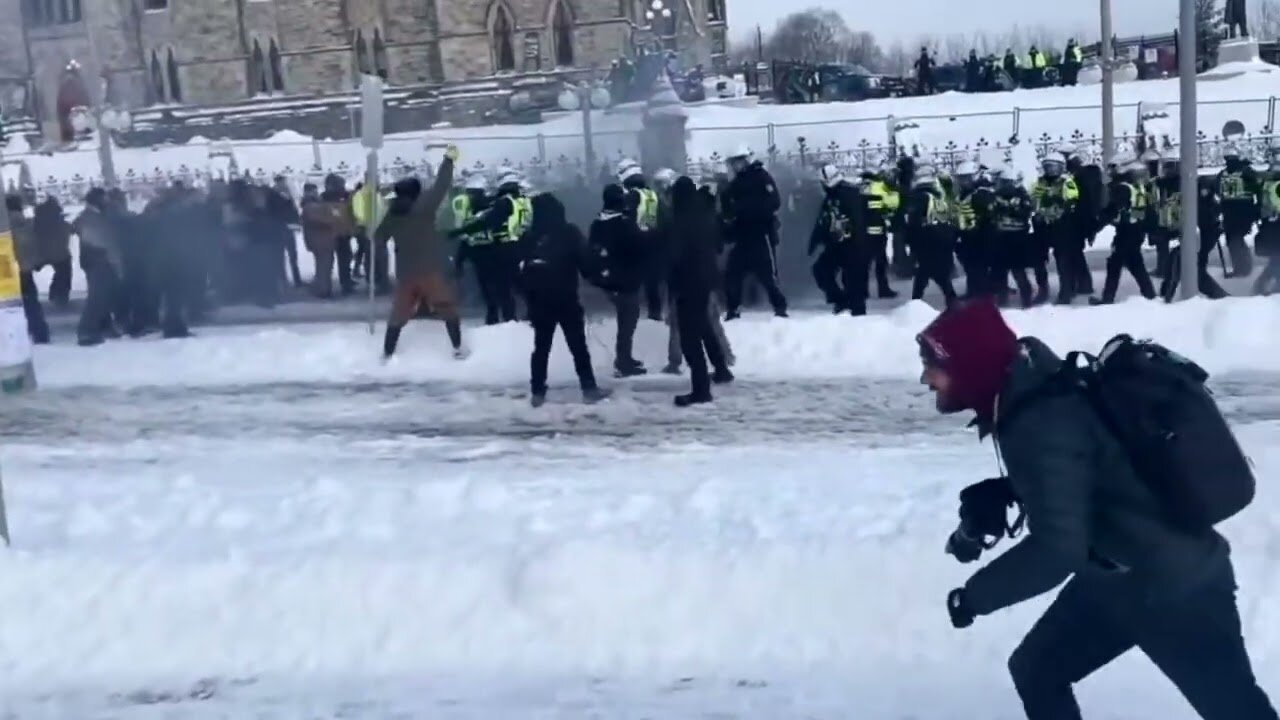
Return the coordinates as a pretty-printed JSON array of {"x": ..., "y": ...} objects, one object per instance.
[
  {"x": 1108, "y": 87},
  {"x": 1189, "y": 148}
]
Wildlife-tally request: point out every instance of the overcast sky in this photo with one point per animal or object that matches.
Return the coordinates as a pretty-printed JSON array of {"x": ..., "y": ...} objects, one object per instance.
[{"x": 906, "y": 20}]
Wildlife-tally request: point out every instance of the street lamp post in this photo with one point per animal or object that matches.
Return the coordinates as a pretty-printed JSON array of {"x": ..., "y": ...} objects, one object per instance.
[
  {"x": 105, "y": 120},
  {"x": 1188, "y": 149},
  {"x": 1108, "y": 87},
  {"x": 586, "y": 96}
]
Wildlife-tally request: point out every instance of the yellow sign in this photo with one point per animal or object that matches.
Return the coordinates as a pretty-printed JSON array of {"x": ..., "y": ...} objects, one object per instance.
[{"x": 10, "y": 285}]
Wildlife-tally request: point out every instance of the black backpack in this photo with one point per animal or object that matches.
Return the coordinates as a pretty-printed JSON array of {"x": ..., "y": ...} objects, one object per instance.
[{"x": 1155, "y": 402}]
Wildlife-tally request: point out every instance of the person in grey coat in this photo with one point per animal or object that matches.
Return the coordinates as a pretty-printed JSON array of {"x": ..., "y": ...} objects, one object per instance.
[
  {"x": 103, "y": 265},
  {"x": 1133, "y": 578}
]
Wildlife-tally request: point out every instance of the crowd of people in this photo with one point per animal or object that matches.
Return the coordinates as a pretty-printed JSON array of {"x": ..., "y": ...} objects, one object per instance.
[
  {"x": 188, "y": 250},
  {"x": 1035, "y": 69},
  {"x": 997, "y": 228}
]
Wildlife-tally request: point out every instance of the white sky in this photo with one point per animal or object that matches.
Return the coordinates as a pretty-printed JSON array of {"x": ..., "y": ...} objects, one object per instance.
[{"x": 906, "y": 20}]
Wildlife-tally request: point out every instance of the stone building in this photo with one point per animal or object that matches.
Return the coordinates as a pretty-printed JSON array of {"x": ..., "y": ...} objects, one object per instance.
[{"x": 202, "y": 52}]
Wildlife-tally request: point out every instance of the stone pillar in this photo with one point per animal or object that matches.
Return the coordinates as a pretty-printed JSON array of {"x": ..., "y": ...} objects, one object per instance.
[{"x": 662, "y": 140}]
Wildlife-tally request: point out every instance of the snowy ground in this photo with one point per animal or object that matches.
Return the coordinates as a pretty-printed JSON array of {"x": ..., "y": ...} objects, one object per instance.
[{"x": 268, "y": 523}]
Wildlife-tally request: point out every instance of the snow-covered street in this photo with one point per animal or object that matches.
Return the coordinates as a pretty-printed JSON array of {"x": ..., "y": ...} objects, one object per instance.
[{"x": 268, "y": 523}]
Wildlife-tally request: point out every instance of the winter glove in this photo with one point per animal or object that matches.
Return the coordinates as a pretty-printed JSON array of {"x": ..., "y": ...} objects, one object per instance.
[
  {"x": 452, "y": 153},
  {"x": 958, "y": 609}
]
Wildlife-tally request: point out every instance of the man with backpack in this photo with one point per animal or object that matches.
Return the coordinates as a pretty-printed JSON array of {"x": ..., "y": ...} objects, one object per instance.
[{"x": 1119, "y": 491}]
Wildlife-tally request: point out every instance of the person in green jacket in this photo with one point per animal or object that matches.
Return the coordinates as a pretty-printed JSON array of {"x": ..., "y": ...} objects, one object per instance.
[{"x": 1133, "y": 577}]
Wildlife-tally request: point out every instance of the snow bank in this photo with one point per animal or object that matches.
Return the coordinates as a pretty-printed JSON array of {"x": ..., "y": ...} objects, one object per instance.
[
  {"x": 811, "y": 561},
  {"x": 1237, "y": 334}
]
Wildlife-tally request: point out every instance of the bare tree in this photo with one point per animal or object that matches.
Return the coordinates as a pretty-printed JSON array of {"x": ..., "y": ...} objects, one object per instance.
[
  {"x": 955, "y": 48},
  {"x": 865, "y": 51},
  {"x": 897, "y": 59},
  {"x": 816, "y": 35}
]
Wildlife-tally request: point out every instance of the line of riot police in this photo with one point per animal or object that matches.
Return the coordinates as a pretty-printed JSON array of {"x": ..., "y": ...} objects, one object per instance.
[{"x": 998, "y": 229}]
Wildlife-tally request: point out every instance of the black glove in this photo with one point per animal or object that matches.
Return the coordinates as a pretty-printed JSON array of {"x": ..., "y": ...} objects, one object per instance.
[{"x": 958, "y": 609}]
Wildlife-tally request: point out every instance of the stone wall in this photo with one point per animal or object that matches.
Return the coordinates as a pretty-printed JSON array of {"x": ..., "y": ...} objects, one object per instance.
[{"x": 428, "y": 42}]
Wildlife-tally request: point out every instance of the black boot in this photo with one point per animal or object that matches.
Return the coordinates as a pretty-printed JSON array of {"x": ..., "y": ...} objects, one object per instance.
[{"x": 693, "y": 398}]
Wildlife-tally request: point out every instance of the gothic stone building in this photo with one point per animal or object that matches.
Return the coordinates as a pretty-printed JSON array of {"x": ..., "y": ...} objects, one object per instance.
[{"x": 203, "y": 52}]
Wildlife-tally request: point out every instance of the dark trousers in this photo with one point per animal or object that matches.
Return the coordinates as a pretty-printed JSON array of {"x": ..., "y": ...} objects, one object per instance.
[
  {"x": 1126, "y": 254},
  {"x": 291, "y": 260},
  {"x": 344, "y": 260},
  {"x": 1073, "y": 270},
  {"x": 60, "y": 287},
  {"x": 879, "y": 247},
  {"x": 1194, "y": 638},
  {"x": 757, "y": 257},
  {"x": 697, "y": 341},
  {"x": 99, "y": 302},
  {"x": 547, "y": 314},
  {"x": 933, "y": 263},
  {"x": 840, "y": 272},
  {"x": 627, "y": 305},
  {"x": 1241, "y": 257},
  {"x": 903, "y": 262},
  {"x": 37, "y": 327},
  {"x": 653, "y": 282},
  {"x": 1008, "y": 257},
  {"x": 1083, "y": 275},
  {"x": 1207, "y": 285},
  {"x": 496, "y": 274}
]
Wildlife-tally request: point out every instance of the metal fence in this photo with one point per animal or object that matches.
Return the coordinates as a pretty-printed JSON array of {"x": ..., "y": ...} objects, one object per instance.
[{"x": 556, "y": 160}]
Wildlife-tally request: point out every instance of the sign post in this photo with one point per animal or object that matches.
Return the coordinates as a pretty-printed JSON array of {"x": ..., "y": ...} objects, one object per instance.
[
  {"x": 371, "y": 130},
  {"x": 17, "y": 368}
]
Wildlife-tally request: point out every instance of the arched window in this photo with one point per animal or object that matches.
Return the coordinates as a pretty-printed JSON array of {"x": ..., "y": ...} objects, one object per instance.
[
  {"x": 668, "y": 23},
  {"x": 157, "y": 78},
  {"x": 715, "y": 10},
  {"x": 35, "y": 12},
  {"x": 175, "y": 79},
  {"x": 277, "y": 67},
  {"x": 562, "y": 34},
  {"x": 364, "y": 63},
  {"x": 504, "y": 53},
  {"x": 380, "y": 65},
  {"x": 258, "y": 71}
]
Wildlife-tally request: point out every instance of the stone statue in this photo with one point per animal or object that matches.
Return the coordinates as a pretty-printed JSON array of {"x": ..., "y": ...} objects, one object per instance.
[{"x": 1236, "y": 17}]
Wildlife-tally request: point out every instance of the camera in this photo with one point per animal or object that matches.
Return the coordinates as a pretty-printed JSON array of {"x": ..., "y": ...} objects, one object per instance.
[{"x": 984, "y": 513}]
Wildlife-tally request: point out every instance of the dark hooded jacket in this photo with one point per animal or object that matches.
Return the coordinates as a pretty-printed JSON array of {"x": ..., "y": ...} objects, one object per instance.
[
  {"x": 1086, "y": 509},
  {"x": 617, "y": 232},
  {"x": 551, "y": 254},
  {"x": 695, "y": 238}
]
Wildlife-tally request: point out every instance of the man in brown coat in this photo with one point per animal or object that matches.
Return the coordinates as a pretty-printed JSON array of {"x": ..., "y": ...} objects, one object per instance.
[
  {"x": 422, "y": 261},
  {"x": 327, "y": 227}
]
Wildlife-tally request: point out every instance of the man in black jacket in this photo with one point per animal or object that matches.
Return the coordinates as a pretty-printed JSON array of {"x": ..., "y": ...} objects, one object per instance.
[
  {"x": 694, "y": 273},
  {"x": 1134, "y": 577},
  {"x": 752, "y": 202},
  {"x": 619, "y": 236},
  {"x": 551, "y": 260},
  {"x": 843, "y": 251}
]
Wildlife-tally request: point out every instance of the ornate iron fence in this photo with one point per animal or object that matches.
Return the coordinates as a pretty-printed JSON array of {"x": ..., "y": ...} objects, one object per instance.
[{"x": 798, "y": 159}]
